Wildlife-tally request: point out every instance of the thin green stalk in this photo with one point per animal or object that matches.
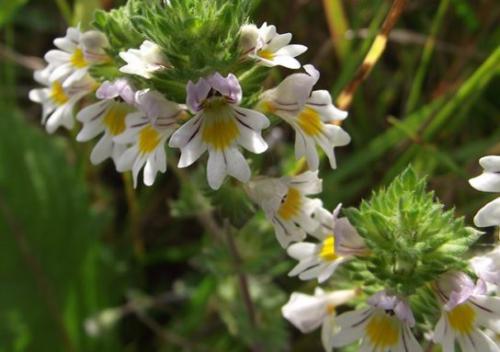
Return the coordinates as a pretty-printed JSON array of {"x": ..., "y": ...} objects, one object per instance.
[
  {"x": 338, "y": 24},
  {"x": 478, "y": 81},
  {"x": 134, "y": 216},
  {"x": 376, "y": 51},
  {"x": 65, "y": 10},
  {"x": 423, "y": 68}
]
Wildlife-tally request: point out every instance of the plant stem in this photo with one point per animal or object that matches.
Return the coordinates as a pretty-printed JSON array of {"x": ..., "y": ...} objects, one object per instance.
[
  {"x": 134, "y": 216},
  {"x": 430, "y": 44},
  {"x": 65, "y": 10},
  {"x": 221, "y": 235},
  {"x": 337, "y": 23},
  {"x": 243, "y": 281},
  {"x": 377, "y": 49}
]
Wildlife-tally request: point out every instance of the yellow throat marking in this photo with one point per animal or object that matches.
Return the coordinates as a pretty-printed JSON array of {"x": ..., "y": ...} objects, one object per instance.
[
  {"x": 149, "y": 138},
  {"x": 114, "y": 119},
  {"x": 78, "y": 59},
  {"x": 310, "y": 122},
  {"x": 219, "y": 126},
  {"x": 57, "y": 94},
  {"x": 291, "y": 204},
  {"x": 266, "y": 54},
  {"x": 383, "y": 331},
  {"x": 462, "y": 318},
  {"x": 327, "y": 252}
]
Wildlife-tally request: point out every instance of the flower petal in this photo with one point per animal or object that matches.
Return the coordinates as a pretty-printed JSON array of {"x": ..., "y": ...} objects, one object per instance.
[{"x": 489, "y": 215}]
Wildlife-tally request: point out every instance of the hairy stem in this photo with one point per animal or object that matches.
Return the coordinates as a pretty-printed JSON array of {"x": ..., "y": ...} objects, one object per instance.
[{"x": 221, "y": 235}]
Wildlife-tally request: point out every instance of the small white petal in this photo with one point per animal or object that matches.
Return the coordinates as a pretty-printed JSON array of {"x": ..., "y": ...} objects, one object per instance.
[
  {"x": 487, "y": 182},
  {"x": 301, "y": 250},
  {"x": 102, "y": 150},
  {"x": 489, "y": 215},
  {"x": 305, "y": 312},
  {"x": 490, "y": 163},
  {"x": 216, "y": 169},
  {"x": 237, "y": 166}
]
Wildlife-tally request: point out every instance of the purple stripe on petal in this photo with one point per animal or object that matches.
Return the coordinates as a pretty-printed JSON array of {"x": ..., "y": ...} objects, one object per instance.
[{"x": 229, "y": 86}]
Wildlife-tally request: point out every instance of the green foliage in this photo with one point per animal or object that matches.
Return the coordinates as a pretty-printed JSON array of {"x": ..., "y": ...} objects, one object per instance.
[
  {"x": 198, "y": 37},
  {"x": 118, "y": 28},
  {"x": 411, "y": 237},
  {"x": 52, "y": 267},
  {"x": 8, "y": 8}
]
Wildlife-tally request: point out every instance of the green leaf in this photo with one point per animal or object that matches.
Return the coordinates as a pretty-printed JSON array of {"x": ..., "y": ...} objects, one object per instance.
[{"x": 51, "y": 264}]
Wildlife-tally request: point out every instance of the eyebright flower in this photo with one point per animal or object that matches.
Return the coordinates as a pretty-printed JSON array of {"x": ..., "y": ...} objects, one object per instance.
[
  {"x": 465, "y": 308},
  {"x": 270, "y": 48},
  {"x": 71, "y": 61},
  {"x": 145, "y": 61},
  {"x": 148, "y": 131},
  {"x": 57, "y": 101},
  {"x": 384, "y": 326},
  {"x": 489, "y": 181},
  {"x": 339, "y": 242},
  {"x": 285, "y": 203},
  {"x": 310, "y": 113},
  {"x": 108, "y": 116},
  {"x": 487, "y": 266},
  {"x": 219, "y": 126},
  {"x": 308, "y": 312}
]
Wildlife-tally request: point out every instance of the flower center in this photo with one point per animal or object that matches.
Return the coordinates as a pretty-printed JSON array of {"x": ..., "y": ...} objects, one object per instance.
[
  {"x": 219, "y": 126},
  {"x": 78, "y": 59},
  {"x": 114, "y": 119},
  {"x": 462, "y": 318},
  {"x": 268, "y": 107},
  {"x": 57, "y": 94},
  {"x": 266, "y": 54},
  {"x": 290, "y": 204},
  {"x": 149, "y": 138},
  {"x": 327, "y": 252},
  {"x": 383, "y": 331},
  {"x": 310, "y": 122}
]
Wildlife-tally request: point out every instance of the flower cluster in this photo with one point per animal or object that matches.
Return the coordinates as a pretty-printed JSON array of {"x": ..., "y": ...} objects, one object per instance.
[
  {"x": 137, "y": 124},
  {"x": 412, "y": 254},
  {"x": 400, "y": 259}
]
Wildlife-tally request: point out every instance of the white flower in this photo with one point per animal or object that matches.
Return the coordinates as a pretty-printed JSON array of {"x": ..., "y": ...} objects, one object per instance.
[
  {"x": 145, "y": 61},
  {"x": 219, "y": 126},
  {"x": 487, "y": 266},
  {"x": 148, "y": 131},
  {"x": 466, "y": 308},
  {"x": 285, "y": 203},
  {"x": 384, "y": 326},
  {"x": 58, "y": 102},
  {"x": 308, "y": 312},
  {"x": 270, "y": 48},
  {"x": 76, "y": 52},
  {"x": 339, "y": 242},
  {"x": 107, "y": 117},
  {"x": 310, "y": 113},
  {"x": 489, "y": 181}
]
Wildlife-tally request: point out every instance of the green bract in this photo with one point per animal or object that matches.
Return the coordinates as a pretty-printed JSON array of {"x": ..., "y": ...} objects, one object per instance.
[
  {"x": 411, "y": 237},
  {"x": 198, "y": 37}
]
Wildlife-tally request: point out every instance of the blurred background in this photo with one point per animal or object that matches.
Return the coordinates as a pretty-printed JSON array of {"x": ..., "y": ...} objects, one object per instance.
[{"x": 88, "y": 264}]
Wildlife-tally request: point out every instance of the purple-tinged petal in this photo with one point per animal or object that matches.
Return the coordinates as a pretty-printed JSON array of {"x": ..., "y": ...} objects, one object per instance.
[
  {"x": 228, "y": 86},
  {"x": 196, "y": 94},
  {"x": 457, "y": 287}
]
